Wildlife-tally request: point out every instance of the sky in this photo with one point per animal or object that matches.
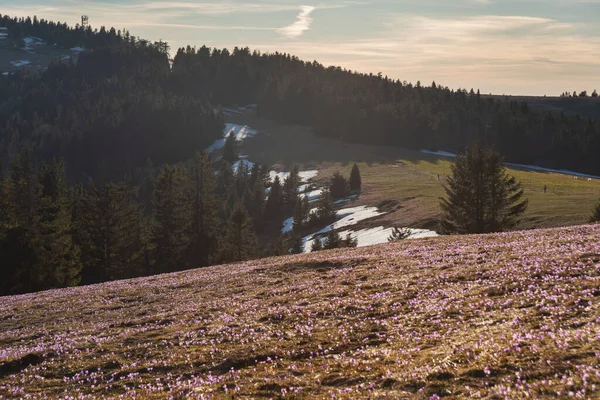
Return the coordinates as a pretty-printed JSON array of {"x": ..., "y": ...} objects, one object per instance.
[{"x": 519, "y": 47}]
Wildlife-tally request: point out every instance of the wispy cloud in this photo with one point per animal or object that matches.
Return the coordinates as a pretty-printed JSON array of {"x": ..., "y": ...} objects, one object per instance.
[{"x": 302, "y": 23}]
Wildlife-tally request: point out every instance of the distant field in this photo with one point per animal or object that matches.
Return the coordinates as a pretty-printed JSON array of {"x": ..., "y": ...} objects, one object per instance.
[
  {"x": 407, "y": 181},
  {"x": 37, "y": 55},
  {"x": 506, "y": 316}
]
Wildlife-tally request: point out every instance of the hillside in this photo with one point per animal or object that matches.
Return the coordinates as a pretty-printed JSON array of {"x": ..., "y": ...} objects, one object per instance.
[
  {"x": 407, "y": 184},
  {"x": 498, "y": 316},
  {"x": 586, "y": 107}
]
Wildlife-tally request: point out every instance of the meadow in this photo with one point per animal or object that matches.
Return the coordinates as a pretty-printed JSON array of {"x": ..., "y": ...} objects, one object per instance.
[
  {"x": 511, "y": 315},
  {"x": 407, "y": 184}
]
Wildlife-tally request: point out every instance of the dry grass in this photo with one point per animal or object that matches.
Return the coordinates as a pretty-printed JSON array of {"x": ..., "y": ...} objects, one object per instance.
[{"x": 492, "y": 316}]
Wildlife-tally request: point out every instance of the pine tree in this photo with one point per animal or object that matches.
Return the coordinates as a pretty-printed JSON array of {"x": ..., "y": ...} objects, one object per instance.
[
  {"x": 172, "y": 217},
  {"x": 290, "y": 191},
  {"x": 256, "y": 202},
  {"x": 338, "y": 186},
  {"x": 596, "y": 215},
  {"x": 109, "y": 231},
  {"x": 296, "y": 245},
  {"x": 60, "y": 256},
  {"x": 299, "y": 215},
  {"x": 279, "y": 247},
  {"x": 355, "y": 181},
  {"x": 325, "y": 212},
  {"x": 274, "y": 204},
  {"x": 230, "y": 153},
  {"x": 22, "y": 246},
  {"x": 349, "y": 241},
  {"x": 332, "y": 240},
  {"x": 398, "y": 234},
  {"x": 481, "y": 197},
  {"x": 240, "y": 241},
  {"x": 316, "y": 245},
  {"x": 204, "y": 224}
]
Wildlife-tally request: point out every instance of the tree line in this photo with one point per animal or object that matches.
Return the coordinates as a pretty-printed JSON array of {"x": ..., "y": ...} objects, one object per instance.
[
  {"x": 181, "y": 216},
  {"x": 373, "y": 109}
]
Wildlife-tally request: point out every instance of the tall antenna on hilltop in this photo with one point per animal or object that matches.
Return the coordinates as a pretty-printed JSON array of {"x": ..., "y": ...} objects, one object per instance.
[{"x": 85, "y": 21}]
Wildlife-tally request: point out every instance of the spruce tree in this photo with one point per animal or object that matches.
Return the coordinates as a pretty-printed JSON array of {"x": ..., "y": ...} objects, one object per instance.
[
  {"x": 332, "y": 240},
  {"x": 350, "y": 241},
  {"x": 290, "y": 191},
  {"x": 398, "y": 234},
  {"x": 316, "y": 245},
  {"x": 22, "y": 245},
  {"x": 481, "y": 197},
  {"x": 60, "y": 256},
  {"x": 325, "y": 211},
  {"x": 230, "y": 153},
  {"x": 298, "y": 216},
  {"x": 338, "y": 186},
  {"x": 274, "y": 204},
  {"x": 240, "y": 241},
  {"x": 596, "y": 215},
  {"x": 109, "y": 231},
  {"x": 172, "y": 217},
  {"x": 295, "y": 245},
  {"x": 355, "y": 181},
  {"x": 204, "y": 224}
]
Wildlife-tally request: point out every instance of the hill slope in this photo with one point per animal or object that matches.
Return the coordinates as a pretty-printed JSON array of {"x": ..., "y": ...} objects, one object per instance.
[{"x": 507, "y": 315}]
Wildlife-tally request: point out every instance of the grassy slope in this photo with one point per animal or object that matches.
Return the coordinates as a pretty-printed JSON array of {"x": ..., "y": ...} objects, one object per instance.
[
  {"x": 510, "y": 315},
  {"x": 408, "y": 180}
]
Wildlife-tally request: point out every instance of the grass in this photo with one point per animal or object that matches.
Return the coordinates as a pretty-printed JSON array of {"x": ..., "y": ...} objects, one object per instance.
[
  {"x": 409, "y": 179},
  {"x": 509, "y": 315}
]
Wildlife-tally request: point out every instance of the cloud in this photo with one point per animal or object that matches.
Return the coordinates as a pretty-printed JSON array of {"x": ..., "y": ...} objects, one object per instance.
[
  {"x": 502, "y": 54},
  {"x": 302, "y": 23}
]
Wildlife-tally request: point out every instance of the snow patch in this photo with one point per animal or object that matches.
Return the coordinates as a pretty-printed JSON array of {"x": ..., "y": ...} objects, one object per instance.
[
  {"x": 313, "y": 195},
  {"x": 526, "y": 166},
  {"x": 439, "y": 153},
  {"x": 348, "y": 217},
  {"x": 240, "y": 132},
  {"x": 304, "y": 176},
  {"x": 20, "y": 63},
  {"x": 77, "y": 49},
  {"x": 5, "y": 73},
  {"x": 369, "y": 237},
  {"x": 288, "y": 225},
  {"x": 236, "y": 165},
  {"x": 346, "y": 199},
  {"x": 217, "y": 144}
]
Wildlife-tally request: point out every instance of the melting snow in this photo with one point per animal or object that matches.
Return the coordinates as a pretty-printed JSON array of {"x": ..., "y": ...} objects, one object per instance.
[
  {"x": 348, "y": 217},
  {"x": 288, "y": 225},
  {"x": 314, "y": 195},
  {"x": 217, "y": 144},
  {"x": 20, "y": 63},
  {"x": 369, "y": 237},
  {"x": 439, "y": 153},
  {"x": 240, "y": 132},
  {"x": 303, "y": 175},
  {"x": 237, "y": 164}
]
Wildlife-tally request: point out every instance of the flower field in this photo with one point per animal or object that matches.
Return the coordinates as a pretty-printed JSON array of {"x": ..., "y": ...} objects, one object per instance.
[{"x": 510, "y": 315}]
